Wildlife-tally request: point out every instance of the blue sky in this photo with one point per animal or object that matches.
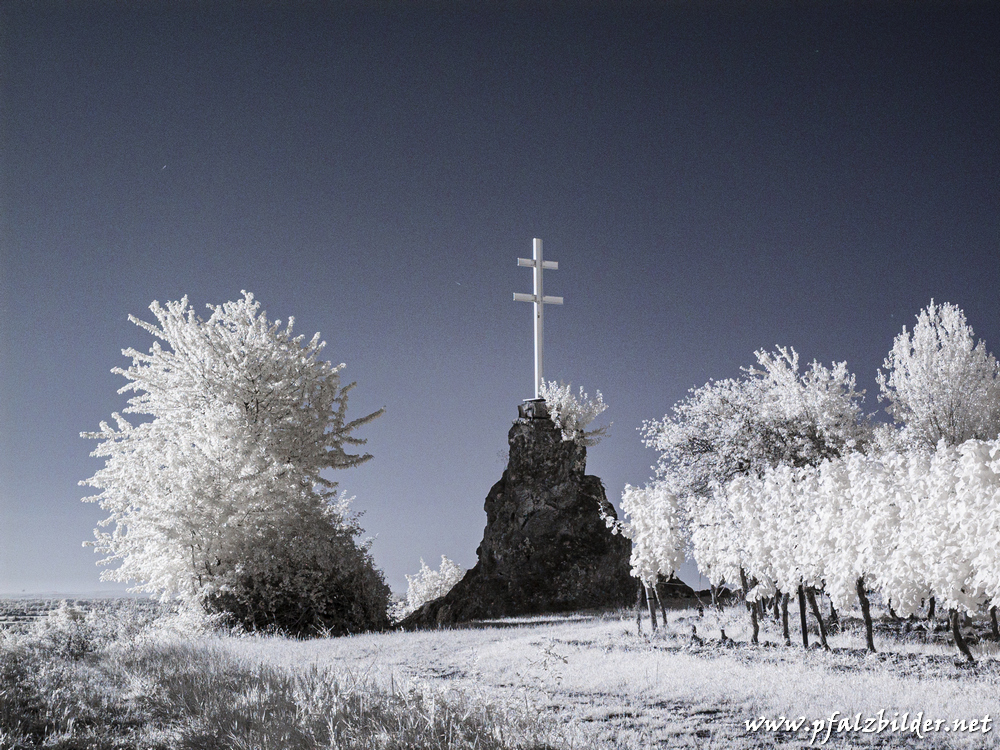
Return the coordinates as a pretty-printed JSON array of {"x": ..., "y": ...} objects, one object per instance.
[{"x": 712, "y": 178}]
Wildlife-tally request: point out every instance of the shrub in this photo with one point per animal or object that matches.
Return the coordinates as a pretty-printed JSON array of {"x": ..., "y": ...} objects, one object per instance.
[
  {"x": 297, "y": 585},
  {"x": 572, "y": 414},
  {"x": 428, "y": 585}
]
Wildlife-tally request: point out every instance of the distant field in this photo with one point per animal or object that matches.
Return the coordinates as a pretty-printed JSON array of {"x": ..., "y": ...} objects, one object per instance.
[{"x": 20, "y": 613}]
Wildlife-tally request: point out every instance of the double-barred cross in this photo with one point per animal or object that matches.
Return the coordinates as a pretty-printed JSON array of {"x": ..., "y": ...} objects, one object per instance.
[{"x": 540, "y": 301}]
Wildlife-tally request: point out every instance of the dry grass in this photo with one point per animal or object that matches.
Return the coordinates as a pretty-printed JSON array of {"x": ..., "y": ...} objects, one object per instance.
[
  {"x": 605, "y": 682},
  {"x": 159, "y": 690},
  {"x": 575, "y": 681}
]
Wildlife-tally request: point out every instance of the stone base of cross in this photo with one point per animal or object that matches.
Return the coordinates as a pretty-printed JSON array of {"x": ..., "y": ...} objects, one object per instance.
[
  {"x": 540, "y": 300},
  {"x": 533, "y": 408}
]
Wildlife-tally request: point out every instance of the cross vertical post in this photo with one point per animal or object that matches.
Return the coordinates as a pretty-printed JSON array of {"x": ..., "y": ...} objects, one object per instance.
[{"x": 537, "y": 264}]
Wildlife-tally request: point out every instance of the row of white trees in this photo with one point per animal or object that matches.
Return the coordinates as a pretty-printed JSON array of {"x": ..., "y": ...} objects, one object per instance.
[{"x": 779, "y": 482}]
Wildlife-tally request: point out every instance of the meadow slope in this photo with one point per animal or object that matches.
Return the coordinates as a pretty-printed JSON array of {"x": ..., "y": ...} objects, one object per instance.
[
  {"x": 127, "y": 677},
  {"x": 609, "y": 685}
]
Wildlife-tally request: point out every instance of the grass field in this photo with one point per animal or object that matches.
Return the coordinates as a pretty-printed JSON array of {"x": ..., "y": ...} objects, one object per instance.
[{"x": 584, "y": 680}]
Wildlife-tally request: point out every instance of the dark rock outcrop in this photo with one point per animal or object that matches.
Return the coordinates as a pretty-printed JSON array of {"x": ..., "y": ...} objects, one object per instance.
[{"x": 546, "y": 547}]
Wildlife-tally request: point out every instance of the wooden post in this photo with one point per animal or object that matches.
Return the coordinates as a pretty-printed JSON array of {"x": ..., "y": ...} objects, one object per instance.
[
  {"x": 659, "y": 599},
  {"x": 651, "y": 603},
  {"x": 802, "y": 616},
  {"x": 751, "y": 606},
  {"x": 784, "y": 620},
  {"x": 638, "y": 607}
]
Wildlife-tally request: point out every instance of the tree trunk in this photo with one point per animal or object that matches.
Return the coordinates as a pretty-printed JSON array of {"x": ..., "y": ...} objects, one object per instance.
[
  {"x": 866, "y": 612},
  {"x": 956, "y": 631},
  {"x": 811, "y": 596},
  {"x": 777, "y": 607},
  {"x": 993, "y": 622},
  {"x": 650, "y": 601},
  {"x": 930, "y": 609},
  {"x": 892, "y": 612},
  {"x": 751, "y": 606},
  {"x": 784, "y": 619},
  {"x": 802, "y": 616},
  {"x": 659, "y": 600},
  {"x": 715, "y": 596},
  {"x": 834, "y": 618},
  {"x": 639, "y": 601}
]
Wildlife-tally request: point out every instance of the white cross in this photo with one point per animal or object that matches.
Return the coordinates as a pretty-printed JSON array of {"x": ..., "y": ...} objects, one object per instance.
[{"x": 540, "y": 301}]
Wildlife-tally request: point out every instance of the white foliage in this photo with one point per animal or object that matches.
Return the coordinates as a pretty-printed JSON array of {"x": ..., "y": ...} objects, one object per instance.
[
  {"x": 775, "y": 416},
  {"x": 716, "y": 538},
  {"x": 939, "y": 382},
  {"x": 774, "y": 482},
  {"x": 655, "y": 527},
  {"x": 572, "y": 413},
  {"x": 772, "y": 416},
  {"x": 428, "y": 585},
  {"x": 242, "y": 419},
  {"x": 817, "y": 413},
  {"x": 711, "y": 436},
  {"x": 913, "y": 524}
]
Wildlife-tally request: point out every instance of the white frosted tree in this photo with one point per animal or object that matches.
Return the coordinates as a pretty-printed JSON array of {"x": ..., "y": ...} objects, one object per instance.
[
  {"x": 713, "y": 435},
  {"x": 218, "y": 497},
  {"x": 717, "y": 541},
  {"x": 940, "y": 383},
  {"x": 776, "y": 415},
  {"x": 942, "y": 386}
]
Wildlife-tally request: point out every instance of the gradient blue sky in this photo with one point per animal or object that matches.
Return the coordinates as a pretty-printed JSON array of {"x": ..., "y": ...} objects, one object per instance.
[{"x": 712, "y": 178}]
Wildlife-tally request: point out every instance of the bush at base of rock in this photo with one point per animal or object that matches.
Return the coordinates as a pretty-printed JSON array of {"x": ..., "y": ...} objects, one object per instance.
[{"x": 326, "y": 588}]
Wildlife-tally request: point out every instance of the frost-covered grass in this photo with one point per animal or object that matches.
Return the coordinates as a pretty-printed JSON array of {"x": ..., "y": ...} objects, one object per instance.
[
  {"x": 609, "y": 685},
  {"x": 71, "y": 683},
  {"x": 563, "y": 681}
]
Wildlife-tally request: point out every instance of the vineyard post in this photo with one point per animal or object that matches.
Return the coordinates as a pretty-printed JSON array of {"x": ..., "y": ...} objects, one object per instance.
[
  {"x": 651, "y": 603},
  {"x": 784, "y": 619},
  {"x": 638, "y": 606},
  {"x": 802, "y": 616},
  {"x": 751, "y": 606},
  {"x": 659, "y": 599}
]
